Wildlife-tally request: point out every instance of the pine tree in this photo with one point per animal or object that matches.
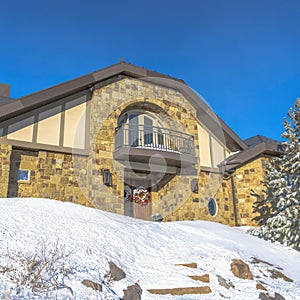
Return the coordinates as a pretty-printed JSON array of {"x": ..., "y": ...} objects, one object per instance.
[{"x": 279, "y": 210}]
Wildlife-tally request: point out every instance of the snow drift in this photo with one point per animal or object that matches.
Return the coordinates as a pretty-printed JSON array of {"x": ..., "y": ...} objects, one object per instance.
[{"x": 147, "y": 251}]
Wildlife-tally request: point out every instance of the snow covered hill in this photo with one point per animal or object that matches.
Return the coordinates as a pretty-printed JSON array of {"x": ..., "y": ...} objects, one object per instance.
[{"x": 148, "y": 252}]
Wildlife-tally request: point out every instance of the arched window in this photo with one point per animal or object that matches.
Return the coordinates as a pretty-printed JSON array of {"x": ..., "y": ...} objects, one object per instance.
[{"x": 141, "y": 129}]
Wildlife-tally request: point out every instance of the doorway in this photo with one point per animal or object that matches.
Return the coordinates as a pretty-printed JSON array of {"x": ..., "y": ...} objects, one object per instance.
[{"x": 141, "y": 188}]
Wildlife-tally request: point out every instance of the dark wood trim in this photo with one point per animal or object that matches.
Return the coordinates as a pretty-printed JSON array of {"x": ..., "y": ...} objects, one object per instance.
[
  {"x": 210, "y": 170},
  {"x": 34, "y": 144},
  {"x": 37, "y": 146},
  {"x": 35, "y": 128},
  {"x": 62, "y": 125}
]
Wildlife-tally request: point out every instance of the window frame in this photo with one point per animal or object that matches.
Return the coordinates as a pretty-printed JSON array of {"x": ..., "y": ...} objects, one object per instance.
[
  {"x": 22, "y": 180},
  {"x": 210, "y": 200}
]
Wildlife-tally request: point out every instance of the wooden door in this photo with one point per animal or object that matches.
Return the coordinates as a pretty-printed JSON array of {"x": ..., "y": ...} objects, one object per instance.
[{"x": 133, "y": 209}]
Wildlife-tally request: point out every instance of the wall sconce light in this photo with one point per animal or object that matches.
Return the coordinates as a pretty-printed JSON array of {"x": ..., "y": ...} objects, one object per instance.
[
  {"x": 107, "y": 178},
  {"x": 194, "y": 186}
]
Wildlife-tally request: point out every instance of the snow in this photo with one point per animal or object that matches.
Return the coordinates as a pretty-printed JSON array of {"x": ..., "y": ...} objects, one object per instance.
[
  {"x": 157, "y": 147},
  {"x": 146, "y": 251}
]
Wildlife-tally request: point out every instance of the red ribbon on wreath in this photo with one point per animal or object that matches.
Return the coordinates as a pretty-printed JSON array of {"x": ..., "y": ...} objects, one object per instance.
[{"x": 141, "y": 196}]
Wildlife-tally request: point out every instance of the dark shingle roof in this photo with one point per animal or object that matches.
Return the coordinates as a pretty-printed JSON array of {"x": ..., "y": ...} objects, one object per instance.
[
  {"x": 255, "y": 140},
  {"x": 5, "y": 100},
  {"x": 257, "y": 146}
]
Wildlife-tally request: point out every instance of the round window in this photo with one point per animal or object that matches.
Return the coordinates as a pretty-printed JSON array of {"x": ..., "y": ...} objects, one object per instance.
[{"x": 212, "y": 207}]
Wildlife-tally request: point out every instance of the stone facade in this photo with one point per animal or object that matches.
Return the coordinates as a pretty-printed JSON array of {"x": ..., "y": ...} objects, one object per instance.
[
  {"x": 79, "y": 178},
  {"x": 196, "y": 207},
  {"x": 52, "y": 176},
  {"x": 248, "y": 177},
  {"x": 106, "y": 106}
]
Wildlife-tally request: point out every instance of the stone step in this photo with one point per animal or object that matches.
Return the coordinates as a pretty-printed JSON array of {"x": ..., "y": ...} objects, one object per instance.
[
  {"x": 182, "y": 291},
  {"x": 202, "y": 278},
  {"x": 188, "y": 265}
]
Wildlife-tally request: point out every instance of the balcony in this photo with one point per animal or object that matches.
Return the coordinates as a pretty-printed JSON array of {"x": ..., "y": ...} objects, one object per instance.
[{"x": 156, "y": 145}]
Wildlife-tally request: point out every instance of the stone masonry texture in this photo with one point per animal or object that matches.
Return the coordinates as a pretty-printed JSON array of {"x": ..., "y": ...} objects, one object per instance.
[{"x": 78, "y": 178}]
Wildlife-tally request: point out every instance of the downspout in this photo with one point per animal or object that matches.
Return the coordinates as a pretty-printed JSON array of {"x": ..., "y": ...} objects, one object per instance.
[{"x": 234, "y": 201}]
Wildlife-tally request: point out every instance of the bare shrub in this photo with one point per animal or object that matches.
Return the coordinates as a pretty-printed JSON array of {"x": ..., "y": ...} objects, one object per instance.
[{"x": 42, "y": 271}]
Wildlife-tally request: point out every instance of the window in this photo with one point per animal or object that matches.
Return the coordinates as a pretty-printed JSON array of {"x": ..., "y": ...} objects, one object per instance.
[
  {"x": 24, "y": 175},
  {"x": 141, "y": 129},
  {"x": 212, "y": 207}
]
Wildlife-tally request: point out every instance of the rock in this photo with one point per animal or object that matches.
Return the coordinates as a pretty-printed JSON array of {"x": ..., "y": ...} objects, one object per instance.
[
  {"x": 240, "y": 269},
  {"x": 115, "y": 273},
  {"x": 189, "y": 265},
  {"x": 181, "y": 291},
  {"x": 224, "y": 283},
  {"x": 203, "y": 278},
  {"x": 277, "y": 274},
  {"x": 278, "y": 297},
  {"x": 265, "y": 296},
  {"x": 93, "y": 285},
  {"x": 259, "y": 286},
  {"x": 133, "y": 292},
  {"x": 256, "y": 260}
]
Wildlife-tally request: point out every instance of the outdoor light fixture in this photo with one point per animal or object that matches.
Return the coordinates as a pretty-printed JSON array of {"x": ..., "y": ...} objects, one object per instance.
[
  {"x": 107, "y": 178},
  {"x": 194, "y": 186}
]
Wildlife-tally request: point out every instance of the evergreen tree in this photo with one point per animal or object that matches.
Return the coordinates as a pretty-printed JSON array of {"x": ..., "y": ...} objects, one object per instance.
[{"x": 279, "y": 211}]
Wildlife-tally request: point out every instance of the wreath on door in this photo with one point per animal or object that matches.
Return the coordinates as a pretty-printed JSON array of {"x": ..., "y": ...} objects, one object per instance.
[
  {"x": 141, "y": 196},
  {"x": 127, "y": 193}
]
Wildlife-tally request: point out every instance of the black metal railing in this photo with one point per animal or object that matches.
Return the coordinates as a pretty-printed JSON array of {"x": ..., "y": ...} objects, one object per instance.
[{"x": 153, "y": 137}]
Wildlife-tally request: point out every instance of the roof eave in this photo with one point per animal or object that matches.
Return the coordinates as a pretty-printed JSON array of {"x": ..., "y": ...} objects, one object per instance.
[
  {"x": 40, "y": 98},
  {"x": 251, "y": 153},
  {"x": 29, "y": 102}
]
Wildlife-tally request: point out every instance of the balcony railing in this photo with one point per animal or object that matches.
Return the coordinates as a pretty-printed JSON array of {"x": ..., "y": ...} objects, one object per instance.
[{"x": 155, "y": 138}]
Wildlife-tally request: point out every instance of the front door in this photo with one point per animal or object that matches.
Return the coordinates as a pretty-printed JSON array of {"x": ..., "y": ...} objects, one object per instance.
[{"x": 137, "y": 199}]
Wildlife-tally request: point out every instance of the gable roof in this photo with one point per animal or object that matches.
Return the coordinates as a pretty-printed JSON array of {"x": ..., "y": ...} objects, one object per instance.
[
  {"x": 258, "y": 145},
  {"x": 204, "y": 113}
]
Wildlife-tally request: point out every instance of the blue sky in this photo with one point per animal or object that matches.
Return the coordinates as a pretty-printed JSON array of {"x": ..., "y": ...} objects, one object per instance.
[{"x": 242, "y": 56}]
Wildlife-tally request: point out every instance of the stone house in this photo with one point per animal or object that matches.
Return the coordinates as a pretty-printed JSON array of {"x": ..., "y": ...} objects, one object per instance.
[{"x": 130, "y": 141}]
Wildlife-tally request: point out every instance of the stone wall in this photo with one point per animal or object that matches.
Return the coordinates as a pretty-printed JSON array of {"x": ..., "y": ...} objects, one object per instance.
[
  {"x": 211, "y": 185},
  {"x": 5, "y": 153},
  {"x": 249, "y": 176},
  {"x": 246, "y": 178},
  {"x": 106, "y": 106},
  {"x": 52, "y": 176}
]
